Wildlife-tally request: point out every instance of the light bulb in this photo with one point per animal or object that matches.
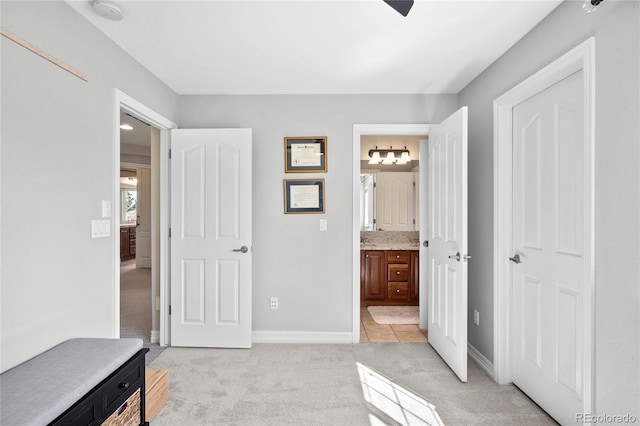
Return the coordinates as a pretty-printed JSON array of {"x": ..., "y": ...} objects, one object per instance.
[
  {"x": 375, "y": 158},
  {"x": 405, "y": 157},
  {"x": 389, "y": 159}
]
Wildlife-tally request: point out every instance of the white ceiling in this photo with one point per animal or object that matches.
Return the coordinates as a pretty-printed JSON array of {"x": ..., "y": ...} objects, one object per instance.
[{"x": 317, "y": 47}]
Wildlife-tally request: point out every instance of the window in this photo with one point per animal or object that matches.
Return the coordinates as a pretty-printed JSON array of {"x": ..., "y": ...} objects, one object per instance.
[{"x": 128, "y": 203}]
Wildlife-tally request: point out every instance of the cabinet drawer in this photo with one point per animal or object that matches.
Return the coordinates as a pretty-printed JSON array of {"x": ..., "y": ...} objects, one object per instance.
[
  {"x": 398, "y": 291},
  {"x": 127, "y": 379},
  {"x": 397, "y": 256},
  {"x": 398, "y": 272}
]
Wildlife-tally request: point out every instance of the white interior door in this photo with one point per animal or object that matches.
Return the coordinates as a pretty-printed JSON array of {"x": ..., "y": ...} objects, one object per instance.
[
  {"x": 548, "y": 242},
  {"x": 143, "y": 222},
  {"x": 211, "y": 238},
  {"x": 445, "y": 265}
]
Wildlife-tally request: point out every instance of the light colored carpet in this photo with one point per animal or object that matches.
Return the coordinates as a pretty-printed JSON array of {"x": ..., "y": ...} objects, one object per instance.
[
  {"x": 362, "y": 384},
  {"x": 135, "y": 306},
  {"x": 395, "y": 314}
]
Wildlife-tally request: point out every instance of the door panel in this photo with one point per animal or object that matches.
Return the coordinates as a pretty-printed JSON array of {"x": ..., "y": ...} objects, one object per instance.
[
  {"x": 211, "y": 214},
  {"x": 447, "y": 236},
  {"x": 548, "y": 234}
]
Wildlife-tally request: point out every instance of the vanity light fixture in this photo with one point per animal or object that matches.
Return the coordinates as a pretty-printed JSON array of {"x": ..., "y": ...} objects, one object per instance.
[{"x": 389, "y": 156}]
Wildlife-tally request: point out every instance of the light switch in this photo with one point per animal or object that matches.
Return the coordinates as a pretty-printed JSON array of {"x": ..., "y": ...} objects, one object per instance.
[
  {"x": 323, "y": 224},
  {"x": 100, "y": 228},
  {"x": 106, "y": 209}
]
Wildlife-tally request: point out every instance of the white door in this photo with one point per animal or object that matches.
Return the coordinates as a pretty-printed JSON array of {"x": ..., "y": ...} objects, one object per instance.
[
  {"x": 143, "y": 222},
  {"x": 445, "y": 265},
  {"x": 211, "y": 238},
  {"x": 548, "y": 260},
  {"x": 395, "y": 201}
]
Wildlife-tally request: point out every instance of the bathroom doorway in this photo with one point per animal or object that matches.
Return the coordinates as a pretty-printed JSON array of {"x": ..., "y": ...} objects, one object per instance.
[{"x": 389, "y": 237}]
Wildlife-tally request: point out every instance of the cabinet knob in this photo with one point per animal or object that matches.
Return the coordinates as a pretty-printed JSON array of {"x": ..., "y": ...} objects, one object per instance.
[
  {"x": 125, "y": 385},
  {"x": 397, "y": 290},
  {"x": 397, "y": 272},
  {"x": 397, "y": 256}
]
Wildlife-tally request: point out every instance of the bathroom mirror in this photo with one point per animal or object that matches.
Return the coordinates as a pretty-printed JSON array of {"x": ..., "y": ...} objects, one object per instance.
[{"x": 367, "y": 201}]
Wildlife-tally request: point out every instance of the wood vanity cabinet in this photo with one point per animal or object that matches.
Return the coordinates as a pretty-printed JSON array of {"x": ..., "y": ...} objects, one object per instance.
[
  {"x": 389, "y": 276},
  {"x": 373, "y": 279},
  {"x": 127, "y": 242}
]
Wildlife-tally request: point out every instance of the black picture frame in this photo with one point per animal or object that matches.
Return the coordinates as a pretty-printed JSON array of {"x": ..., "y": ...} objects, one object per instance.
[
  {"x": 304, "y": 154},
  {"x": 304, "y": 196}
]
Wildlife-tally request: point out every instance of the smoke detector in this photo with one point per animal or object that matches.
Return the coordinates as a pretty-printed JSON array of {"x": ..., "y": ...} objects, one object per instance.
[{"x": 107, "y": 10}]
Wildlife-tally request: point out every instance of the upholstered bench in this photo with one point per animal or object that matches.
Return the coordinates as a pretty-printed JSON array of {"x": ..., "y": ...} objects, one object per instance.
[{"x": 80, "y": 381}]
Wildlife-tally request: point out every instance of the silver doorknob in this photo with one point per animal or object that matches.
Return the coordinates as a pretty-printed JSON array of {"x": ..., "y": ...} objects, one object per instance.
[
  {"x": 455, "y": 256},
  {"x": 516, "y": 258},
  {"x": 242, "y": 249}
]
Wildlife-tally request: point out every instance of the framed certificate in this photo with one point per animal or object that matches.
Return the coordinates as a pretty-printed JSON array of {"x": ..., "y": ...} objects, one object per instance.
[
  {"x": 303, "y": 196},
  {"x": 305, "y": 154}
]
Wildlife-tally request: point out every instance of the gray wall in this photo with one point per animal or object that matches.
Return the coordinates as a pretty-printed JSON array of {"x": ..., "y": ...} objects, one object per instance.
[
  {"x": 616, "y": 27},
  {"x": 310, "y": 271},
  {"x": 57, "y": 165}
]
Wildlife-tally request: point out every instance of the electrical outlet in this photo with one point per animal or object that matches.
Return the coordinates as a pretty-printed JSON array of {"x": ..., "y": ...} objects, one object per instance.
[
  {"x": 476, "y": 317},
  {"x": 274, "y": 303}
]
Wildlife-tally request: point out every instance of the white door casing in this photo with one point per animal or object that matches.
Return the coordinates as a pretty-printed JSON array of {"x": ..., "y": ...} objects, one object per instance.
[
  {"x": 571, "y": 236},
  {"x": 446, "y": 264},
  {"x": 548, "y": 223},
  {"x": 211, "y": 238}
]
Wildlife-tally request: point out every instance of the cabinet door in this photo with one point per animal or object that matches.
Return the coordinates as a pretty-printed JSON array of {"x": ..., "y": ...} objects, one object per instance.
[
  {"x": 373, "y": 275},
  {"x": 124, "y": 243},
  {"x": 414, "y": 280}
]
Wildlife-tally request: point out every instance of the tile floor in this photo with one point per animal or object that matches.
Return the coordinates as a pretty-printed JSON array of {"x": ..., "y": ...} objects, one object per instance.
[{"x": 372, "y": 332}]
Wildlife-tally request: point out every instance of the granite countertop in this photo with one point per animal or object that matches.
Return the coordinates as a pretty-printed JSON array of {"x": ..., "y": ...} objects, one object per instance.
[{"x": 390, "y": 246}]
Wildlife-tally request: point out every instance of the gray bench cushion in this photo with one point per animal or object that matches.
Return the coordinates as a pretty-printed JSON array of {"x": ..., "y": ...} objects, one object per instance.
[{"x": 37, "y": 391}]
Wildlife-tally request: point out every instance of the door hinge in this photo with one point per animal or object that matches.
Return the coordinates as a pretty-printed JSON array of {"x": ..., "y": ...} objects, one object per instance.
[
  {"x": 169, "y": 309},
  {"x": 169, "y": 232},
  {"x": 169, "y": 154},
  {"x": 375, "y": 184},
  {"x": 374, "y": 221},
  {"x": 414, "y": 221}
]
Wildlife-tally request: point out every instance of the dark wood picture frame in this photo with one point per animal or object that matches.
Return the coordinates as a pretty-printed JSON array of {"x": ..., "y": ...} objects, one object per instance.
[{"x": 304, "y": 154}]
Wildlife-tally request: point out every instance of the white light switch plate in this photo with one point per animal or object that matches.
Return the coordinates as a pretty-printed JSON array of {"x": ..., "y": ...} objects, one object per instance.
[
  {"x": 323, "y": 224},
  {"x": 100, "y": 228},
  {"x": 106, "y": 209}
]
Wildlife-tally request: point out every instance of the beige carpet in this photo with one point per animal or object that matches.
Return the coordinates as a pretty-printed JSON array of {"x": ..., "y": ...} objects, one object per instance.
[{"x": 394, "y": 314}]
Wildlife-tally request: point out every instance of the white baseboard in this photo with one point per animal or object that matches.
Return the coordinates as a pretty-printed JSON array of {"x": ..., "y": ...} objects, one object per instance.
[
  {"x": 301, "y": 337},
  {"x": 480, "y": 359},
  {"x": 143, "y": 263},
  {"x": 155, "y": 336}
]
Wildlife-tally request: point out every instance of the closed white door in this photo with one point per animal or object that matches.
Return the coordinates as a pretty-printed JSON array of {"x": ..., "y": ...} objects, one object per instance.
[
  {"x": 446, "y": 229},
  {"x": 143, "y": 223},
  {"x": 548, "y": 241},
  {"x": 211, "y": 238},
  {"x": 395, "y": 201}
]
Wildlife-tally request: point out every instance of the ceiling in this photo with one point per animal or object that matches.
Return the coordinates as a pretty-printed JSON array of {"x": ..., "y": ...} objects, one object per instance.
[{"x": 317, "y": 47}]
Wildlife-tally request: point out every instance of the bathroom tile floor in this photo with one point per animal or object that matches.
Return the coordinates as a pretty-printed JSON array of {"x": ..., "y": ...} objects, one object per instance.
[{"x": 372, "y": 332}]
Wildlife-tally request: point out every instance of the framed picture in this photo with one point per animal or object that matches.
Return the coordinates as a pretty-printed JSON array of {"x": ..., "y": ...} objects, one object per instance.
[
  {"x": 303, "y": 196},
  {"x": 305, "y": 154}
]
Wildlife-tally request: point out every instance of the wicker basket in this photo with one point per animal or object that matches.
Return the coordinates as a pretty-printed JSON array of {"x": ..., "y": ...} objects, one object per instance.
[{"x": 128, "y": 414}]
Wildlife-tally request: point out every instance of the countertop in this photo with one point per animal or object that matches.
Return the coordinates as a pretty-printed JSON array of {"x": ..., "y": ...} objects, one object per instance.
[{"x": 390, "y": 246}]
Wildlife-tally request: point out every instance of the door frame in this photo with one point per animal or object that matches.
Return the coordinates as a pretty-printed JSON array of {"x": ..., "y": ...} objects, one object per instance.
[
  {"x": 124, "y": 102},
  {"x": 579, "y": 58},
  {"x": 360, "y": 130}
]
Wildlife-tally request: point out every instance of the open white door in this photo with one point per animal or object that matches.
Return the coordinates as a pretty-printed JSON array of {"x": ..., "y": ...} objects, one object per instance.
[
  {"x": 445, "y": 260},
  {"x": 211, "y": 238}
]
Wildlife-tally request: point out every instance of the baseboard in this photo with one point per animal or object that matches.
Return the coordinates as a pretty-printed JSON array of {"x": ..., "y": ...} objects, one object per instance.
[
  {"x": 143, "y": 263},
  {"x": 480, "y": 359},
  {"x": 301, "y": 337},
  {"x": 155, "y": 336}
]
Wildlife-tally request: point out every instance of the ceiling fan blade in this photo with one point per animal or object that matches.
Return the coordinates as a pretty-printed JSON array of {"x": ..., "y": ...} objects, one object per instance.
[{"x": 401, "y": 6}]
